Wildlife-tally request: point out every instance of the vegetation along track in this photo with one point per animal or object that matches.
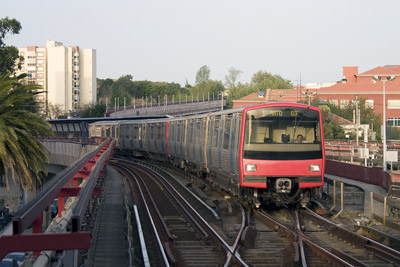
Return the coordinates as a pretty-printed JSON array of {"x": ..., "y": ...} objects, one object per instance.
[{"x": 186, "y": 238}]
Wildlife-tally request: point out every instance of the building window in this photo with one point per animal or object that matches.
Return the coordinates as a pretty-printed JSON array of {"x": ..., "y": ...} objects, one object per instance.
[
  {"x": 394, "y": 122},
  {"x": 369, "y": 103},
  {"x": 40, "y": 54},
  {"x": 394, "y": 104}
]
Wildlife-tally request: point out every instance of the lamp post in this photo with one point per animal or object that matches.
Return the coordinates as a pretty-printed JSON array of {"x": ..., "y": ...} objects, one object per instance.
[
  {"x": 309, "y": 95},
  {"x": 388, "y": 78}
]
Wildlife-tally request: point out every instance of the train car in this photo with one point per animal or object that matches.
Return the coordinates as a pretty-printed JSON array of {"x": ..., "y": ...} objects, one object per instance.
[
  {"x": 106, "y": 129},
  {"x": 273, "y": 152},
  {"x": 281, "y": 151}
]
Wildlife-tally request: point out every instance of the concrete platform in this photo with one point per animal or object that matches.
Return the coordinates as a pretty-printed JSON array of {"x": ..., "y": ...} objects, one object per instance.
[{"x": 367, "y": 188}]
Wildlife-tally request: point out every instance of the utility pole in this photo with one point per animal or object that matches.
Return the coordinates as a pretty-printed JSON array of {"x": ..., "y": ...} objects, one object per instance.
[
  {"x": 357, "y": 120},
  {"x": 388, "y": 78},
  {"x": 309, "y": 95}
]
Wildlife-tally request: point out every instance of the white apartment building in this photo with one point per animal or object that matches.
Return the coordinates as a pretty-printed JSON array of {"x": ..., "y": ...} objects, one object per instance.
[{"x": 67, "y": 75}]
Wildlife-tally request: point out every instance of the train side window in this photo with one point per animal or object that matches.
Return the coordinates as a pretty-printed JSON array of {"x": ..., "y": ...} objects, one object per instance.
[
  {"x": 152, "y": 131},
  {"x": 227, "y": 131},
  {"x": 210, "y": 132},
  {"x": 159, "y": 131},
  {"x": 135, "y": 132},
  {"x": 171, "y": 131},
  {"x": 199, "y": 133},
  {"x": 178, "y": 133},
  {"x": 190, "y": 132},
  {"x": 216, "y": 130}
]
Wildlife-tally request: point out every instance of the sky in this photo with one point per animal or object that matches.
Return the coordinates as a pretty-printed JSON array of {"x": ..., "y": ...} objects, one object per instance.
[{"x": 169, "y": 40}]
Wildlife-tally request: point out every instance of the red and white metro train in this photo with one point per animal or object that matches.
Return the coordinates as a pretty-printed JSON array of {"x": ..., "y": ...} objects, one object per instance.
[{"x": 273, "y": 152}]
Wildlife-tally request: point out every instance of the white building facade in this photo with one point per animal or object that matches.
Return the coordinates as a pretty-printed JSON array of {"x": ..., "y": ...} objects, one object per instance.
[{"x": 67, "y": 75}]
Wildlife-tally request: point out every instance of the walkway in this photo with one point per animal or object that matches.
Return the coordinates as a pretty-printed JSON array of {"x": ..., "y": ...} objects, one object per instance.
[
  {"x": 110, "y": 246},
  {"x": 368, "y": 188}
]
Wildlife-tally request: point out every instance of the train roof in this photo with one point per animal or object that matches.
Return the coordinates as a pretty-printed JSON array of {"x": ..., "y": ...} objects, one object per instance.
[{"x": 104, "y": 119}]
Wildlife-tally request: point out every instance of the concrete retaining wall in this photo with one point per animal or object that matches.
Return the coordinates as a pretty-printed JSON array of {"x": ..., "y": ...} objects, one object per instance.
[{"x": 66, "y": 153}]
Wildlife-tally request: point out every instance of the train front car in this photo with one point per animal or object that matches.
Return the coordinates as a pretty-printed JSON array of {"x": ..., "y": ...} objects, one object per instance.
[{"x": 281, "y": 152}]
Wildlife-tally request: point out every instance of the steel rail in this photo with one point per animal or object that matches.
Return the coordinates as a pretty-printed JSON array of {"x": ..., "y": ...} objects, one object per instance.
[
  {"x": 300, "y": 240},
  {"x": 235, "y": 245},
  {"x": 155, "y": 232},
  {"x": 183, "y": 186},
  {"x": 160, "y": 217},
  {"x": 295, "y": 236},
  {"x": 228, "y": 248},
  {"x": 386, "y": 253}
]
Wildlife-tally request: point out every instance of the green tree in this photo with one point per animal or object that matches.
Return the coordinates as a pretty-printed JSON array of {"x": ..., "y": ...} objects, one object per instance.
[
  {"x": 239, "y": 91},
  {"x": 367, "y": 115},
  {"x": 20, "y": 151},
  {"x": 94, "y": 111},
  {"x": 203, "y": 75},
  {"x": 231, "y": 77},
  {"x": 9, "y": 54},
  {"x": 104, "y": 89},
  {"x": 263, "y": 80},
  {"x": 332, "y": 130}
]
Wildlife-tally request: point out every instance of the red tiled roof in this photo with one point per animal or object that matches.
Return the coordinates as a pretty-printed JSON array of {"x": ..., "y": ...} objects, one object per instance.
[
  {"x": 339, "y": 120},
  {"x": 387, "y": 69}
]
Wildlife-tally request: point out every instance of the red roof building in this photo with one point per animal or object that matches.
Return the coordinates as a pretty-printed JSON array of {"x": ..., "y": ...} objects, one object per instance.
[{"x": 352, "y": 85}]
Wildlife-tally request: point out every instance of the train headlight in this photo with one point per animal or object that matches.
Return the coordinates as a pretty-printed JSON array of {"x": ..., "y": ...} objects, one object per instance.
[
  {"x": 314, "y": 168},
  {"x": 251, "y": 167}
]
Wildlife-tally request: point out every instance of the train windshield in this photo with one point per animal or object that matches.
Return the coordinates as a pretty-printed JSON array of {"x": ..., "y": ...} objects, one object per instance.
[{"x": 282, "y": 133}]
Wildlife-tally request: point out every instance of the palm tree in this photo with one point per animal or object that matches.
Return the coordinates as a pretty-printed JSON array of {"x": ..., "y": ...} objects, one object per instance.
[{"x": 20, "y": 151}]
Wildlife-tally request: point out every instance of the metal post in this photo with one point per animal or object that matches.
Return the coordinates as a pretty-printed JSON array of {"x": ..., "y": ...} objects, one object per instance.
[
  {"x": 372, "y": 207},
  {"x": 222, "y": 101},
  {"x": 334, "y": 195},
  {"x": 124, "y": 103},
  {"x": 384, "y": 125},
  {"x": 341, "y": 201},
  {"x": 357, "y": 125},
  {"x": 384, "y": 212}
]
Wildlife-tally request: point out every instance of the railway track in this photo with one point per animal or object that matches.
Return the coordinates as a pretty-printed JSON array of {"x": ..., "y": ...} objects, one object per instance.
[
  {"x": 310, "y": 240},
  {"x": 181, "y": 233},
  {"x": 349, "y": 246},
  {"x": 288, "y": 238}
]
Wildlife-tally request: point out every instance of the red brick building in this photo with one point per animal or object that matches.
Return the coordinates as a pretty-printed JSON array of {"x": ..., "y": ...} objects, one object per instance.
[{"x": 352, "y": 85}]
